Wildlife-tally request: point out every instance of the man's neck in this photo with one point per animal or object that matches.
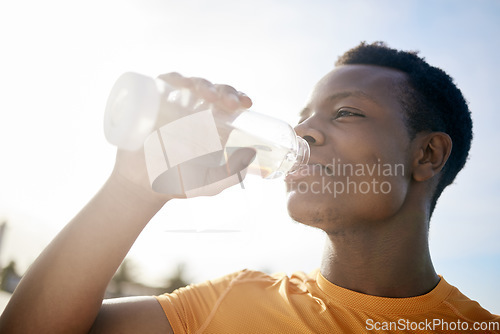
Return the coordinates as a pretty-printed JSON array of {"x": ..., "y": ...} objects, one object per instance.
[{"x": 389, "y": 260}]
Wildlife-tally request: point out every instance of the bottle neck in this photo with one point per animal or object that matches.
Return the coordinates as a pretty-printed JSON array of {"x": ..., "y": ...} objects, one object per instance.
[{"x": 303, "y": 154}]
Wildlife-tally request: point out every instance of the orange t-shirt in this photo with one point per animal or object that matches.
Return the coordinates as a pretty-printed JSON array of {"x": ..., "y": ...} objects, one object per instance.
[{"x": 254, "y": 302}]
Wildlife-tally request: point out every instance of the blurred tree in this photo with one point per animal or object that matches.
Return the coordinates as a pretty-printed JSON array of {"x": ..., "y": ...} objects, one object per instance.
[
  {"x": 9, "y": 277},
  {"x": 123, "y": 275},
  {"x": 124, "y": 282},
  {"x": 178, "y": 279}
]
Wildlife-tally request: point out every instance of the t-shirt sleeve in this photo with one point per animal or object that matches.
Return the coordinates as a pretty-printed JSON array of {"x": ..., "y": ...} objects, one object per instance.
[{"x": 188, "y": 308}]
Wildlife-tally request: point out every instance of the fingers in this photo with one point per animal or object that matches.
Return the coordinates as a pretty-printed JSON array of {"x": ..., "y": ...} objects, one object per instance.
[
  {"x": 231, "y": 98},
  {"x": 224, "y": 96},
  {"x": 175, "y": 79}
]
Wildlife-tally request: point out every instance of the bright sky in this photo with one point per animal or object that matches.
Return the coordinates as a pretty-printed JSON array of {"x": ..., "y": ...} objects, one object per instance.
[{"x": 59, "y": 59}]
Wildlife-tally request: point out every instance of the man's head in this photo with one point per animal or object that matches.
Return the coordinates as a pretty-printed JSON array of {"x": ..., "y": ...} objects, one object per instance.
[
  {"x": 431, "y": 100},
  {"x": 379, "y": 126}
]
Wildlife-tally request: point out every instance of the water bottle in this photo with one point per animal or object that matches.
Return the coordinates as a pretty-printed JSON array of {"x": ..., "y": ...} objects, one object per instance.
[{"x": 188, "y": 142}]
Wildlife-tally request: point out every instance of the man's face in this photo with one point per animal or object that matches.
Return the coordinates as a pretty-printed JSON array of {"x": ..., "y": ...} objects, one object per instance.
[{"x": 359, "y": 171}]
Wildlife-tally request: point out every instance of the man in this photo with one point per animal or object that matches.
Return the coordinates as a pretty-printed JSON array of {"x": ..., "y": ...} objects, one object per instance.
[{"x": 387, "y": 134}]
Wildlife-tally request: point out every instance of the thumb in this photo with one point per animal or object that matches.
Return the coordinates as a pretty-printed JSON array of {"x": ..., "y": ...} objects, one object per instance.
[
  {"x": 239, "y": 159},
  {"x": 201, "y": 179},
  {"x": 227, "y": 175}
]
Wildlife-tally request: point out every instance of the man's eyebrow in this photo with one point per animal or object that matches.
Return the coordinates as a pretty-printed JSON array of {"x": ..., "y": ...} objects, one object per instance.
[
  {"x": 341, "y": 95},
  {"x": 354, "y": 93}
]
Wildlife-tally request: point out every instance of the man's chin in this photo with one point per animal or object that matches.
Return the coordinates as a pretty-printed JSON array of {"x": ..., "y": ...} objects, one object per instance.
[{"x": 304, "y": 207}]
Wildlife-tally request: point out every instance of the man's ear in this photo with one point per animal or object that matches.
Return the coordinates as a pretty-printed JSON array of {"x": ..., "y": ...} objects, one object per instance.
[{"x": 433, "y": 150}]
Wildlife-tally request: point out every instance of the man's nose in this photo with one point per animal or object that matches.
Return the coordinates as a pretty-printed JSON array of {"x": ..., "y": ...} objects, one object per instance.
[{"x": 311, "y": 134}]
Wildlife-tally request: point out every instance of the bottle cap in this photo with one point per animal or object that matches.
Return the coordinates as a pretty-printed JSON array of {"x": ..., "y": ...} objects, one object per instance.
[{"x": 131, "y": 111}]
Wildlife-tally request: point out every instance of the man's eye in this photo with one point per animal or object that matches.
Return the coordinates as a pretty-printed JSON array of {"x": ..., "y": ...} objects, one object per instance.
[{"x": 346, "y": 113}]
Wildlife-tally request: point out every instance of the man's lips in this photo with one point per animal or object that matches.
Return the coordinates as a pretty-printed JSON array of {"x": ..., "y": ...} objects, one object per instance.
[{"x": 308, "y": 170}]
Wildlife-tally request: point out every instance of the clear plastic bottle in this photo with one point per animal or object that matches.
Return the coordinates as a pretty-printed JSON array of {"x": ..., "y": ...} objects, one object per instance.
[{"x": 185, "y": 137}]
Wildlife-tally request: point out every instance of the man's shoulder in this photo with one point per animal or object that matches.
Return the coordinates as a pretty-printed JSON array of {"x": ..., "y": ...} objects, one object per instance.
[
  {"x": 255, "y": 277},
  {"x": 241, "y": 277}
]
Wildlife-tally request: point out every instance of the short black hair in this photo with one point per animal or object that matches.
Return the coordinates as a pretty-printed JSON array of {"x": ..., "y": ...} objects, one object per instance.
[{"x": 431, "y": 100}]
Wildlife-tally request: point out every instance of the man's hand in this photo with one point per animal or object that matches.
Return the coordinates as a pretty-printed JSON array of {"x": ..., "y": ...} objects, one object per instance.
[{"x": 130, "y": 167}]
